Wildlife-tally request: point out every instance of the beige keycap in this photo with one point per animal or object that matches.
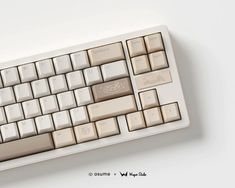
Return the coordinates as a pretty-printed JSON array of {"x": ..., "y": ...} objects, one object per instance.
[
  {"x": 26, "y": 146},
  {"x": 113, "y": 107},
  {"x": 135, "y": 121},
  {"x": 85, "y": 132},
  {"x": 153, "y": 116},
  {"x": 170, "y": 112},
  {"x": 149, "y": 99},
  {"x": 154, "y": 42},
  {"x": 140, "y": 64},
  {"x": 112, "y": 89},
  {"x": 105, "y": 54},
  {"x": 64, "y": 137},
  {"x": 158, "y": 60},
  {"x": 153, "y": 79},
  {"x": 107, "y": 127},
  {"x": 136, "y": 47}
]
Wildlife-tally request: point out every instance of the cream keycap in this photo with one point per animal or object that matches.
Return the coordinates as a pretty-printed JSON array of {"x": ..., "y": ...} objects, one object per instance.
[
  {"x": 62, "y": 64},
  {"x": 83, "y": 96},
  {"x": 23, "y": 92},
  {"x": 140, "y": 64},
  {"x": 26, "y": 146},
  {"x": 49, "y": 104},
  {"x": 10, "y": 76},
  {"x": 79, "y": 115},
  {"x": 112, "y": 89},
  {"x": 107, "y": 127},
  {"x": 105, "y": 54},
  {"x": 2, "y": 116},
  {"x": 136, "y": 47},
  {"x": 85, "y": 132},
  {"x": 115, "y": 70},
  {"x": 149, "y": 99},
  {"x": 153, "y": 116},
  {"x": 14, "y": 112},
  {"x": 154, "y": 78},
  {"x": 45, "y": 68},
  {"x": 75, "y": 80},
  {"x": 110, "y": 108},
  {"x": 170, "y": 112},
  {"x": 27, "y": 72},
  {"x": 135, "y": 121},
  {"x": 31, "y": 108},
  {"x": 40, "y": 88},
  {"x": 61, "y": 120},
  {"x": 58, "y": 84},
  {"x": 44, "y": 124},
  {"x": 158, "y": 60},
  {"x": 154, "y": 42},
  {"x": 80, "y": 60},
  {"x": 6, "y": 96},
  {"x": 66, "y": 100},
  {"x": 27, "y": 128},
  {"x": 9, "y": 132},
  {"x": 64, "y": 137},
  {"x": 92, "y": 75},
  {"x": 1, "y": 84}
]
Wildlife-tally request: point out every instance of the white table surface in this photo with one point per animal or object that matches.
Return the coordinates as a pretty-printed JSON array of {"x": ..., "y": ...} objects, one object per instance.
[{"x": 203, "y": 34}]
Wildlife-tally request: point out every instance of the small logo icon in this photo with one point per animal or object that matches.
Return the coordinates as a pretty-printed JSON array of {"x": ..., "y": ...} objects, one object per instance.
[{"x": 123, "y": 174}]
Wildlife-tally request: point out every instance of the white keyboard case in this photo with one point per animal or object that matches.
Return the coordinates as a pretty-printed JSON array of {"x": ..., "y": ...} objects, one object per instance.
[{"x": 167, "y": 93}]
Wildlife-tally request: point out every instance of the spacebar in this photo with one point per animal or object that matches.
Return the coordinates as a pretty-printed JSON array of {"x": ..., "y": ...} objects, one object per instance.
[{"x": 26, "y": 146}]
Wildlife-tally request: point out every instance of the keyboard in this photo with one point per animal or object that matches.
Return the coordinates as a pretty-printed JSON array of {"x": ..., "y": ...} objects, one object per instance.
[{"x": 89, "y": 96}]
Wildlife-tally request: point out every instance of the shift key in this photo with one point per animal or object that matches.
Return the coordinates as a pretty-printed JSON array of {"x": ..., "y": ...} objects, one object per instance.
[{"x": 26, "y": 146}]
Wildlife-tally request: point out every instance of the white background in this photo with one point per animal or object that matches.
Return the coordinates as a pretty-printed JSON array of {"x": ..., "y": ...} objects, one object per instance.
[{"x": 203, "y": 34}]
